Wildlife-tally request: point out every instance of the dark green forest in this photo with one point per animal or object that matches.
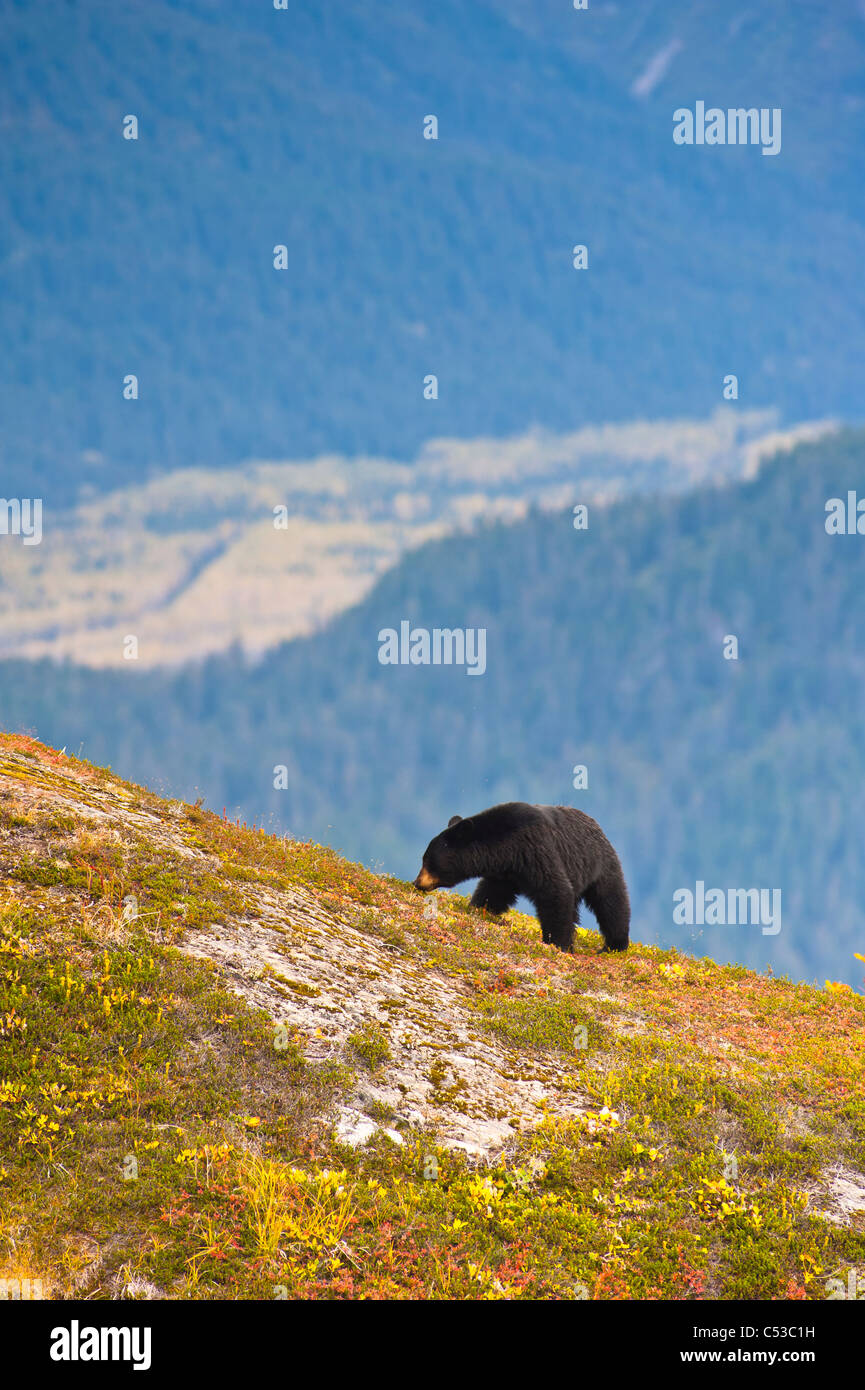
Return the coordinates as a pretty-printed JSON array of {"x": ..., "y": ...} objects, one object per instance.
[{"x": 604, "y": 648}]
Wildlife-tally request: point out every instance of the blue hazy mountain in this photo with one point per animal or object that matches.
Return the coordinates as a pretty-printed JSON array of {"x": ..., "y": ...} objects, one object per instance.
[{"x": 303, "y": 127}]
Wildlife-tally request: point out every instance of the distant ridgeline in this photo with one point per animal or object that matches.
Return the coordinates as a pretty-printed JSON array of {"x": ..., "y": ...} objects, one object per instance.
[{"x": 700, "y": 658}]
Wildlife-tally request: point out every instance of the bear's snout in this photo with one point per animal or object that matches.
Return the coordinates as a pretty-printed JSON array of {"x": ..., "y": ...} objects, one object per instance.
[{"x": 425, "y": 881}]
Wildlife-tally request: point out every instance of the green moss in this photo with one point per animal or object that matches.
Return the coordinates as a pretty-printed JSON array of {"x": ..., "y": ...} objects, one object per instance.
[
  {"x": 289, "y": 987},
  {"x": 560, "y": 1024}
]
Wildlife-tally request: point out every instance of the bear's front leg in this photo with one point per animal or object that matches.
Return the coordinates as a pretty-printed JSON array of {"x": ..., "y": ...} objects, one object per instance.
[{"x": 495, "y": 895}]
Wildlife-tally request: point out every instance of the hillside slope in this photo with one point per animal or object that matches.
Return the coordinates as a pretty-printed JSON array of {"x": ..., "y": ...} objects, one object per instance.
[{"x": 237, "y": 1066}]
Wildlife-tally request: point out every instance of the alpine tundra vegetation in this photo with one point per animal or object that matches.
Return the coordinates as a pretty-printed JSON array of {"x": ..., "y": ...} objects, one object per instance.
[{"x": 238, "y": 1066}]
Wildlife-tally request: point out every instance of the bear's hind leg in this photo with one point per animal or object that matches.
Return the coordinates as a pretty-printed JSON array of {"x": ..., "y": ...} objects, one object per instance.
[
  {"x": 608, "y": 899},
  {"x": 556, "y": 915},
  {"x": 495, "y": 895}
]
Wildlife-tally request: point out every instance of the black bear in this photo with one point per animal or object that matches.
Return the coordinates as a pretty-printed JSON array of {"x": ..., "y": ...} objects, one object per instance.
[{"x": 556, "y": 856}]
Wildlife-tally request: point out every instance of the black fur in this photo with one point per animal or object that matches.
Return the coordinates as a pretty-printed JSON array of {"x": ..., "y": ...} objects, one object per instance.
[{"x": 555, "y": 856}]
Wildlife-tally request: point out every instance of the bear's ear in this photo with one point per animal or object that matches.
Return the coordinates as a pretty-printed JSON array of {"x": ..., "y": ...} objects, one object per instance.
[{"x": 454, "y": 820}]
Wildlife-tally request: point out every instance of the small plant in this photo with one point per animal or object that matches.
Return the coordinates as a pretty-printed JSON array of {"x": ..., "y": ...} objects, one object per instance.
[{"x": 371, "y": 1045}]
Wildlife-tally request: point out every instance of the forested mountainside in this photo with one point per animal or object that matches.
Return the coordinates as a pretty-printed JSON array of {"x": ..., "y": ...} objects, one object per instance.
[
  {"x": 604, "y": 648},
  {"x": 406, "y": 257}
]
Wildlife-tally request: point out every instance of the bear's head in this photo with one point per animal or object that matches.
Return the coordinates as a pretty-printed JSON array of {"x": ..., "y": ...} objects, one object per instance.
[{"x": 442, "y": 865}]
